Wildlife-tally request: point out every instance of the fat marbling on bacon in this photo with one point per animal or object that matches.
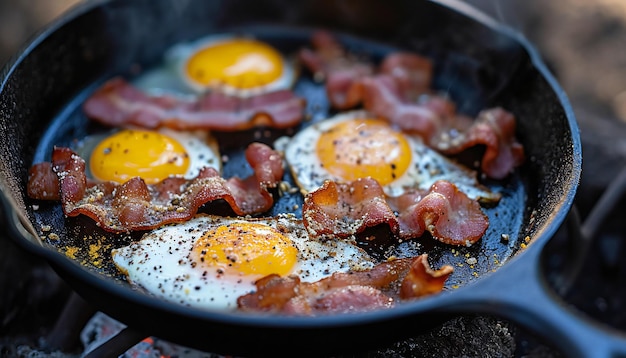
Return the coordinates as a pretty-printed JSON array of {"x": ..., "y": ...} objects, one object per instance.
[
  {"x": 118, "y": 103},
  {"x": 346, "y": 209},
  {"x": 380, "y": 287},
  {"x": 399, "y": 90},
  {"x": 134, "y": 205}
]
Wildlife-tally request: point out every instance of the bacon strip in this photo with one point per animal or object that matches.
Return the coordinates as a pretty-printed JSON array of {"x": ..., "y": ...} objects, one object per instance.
[
  {"x": 118, "y": 103},
  {"x": 346, "y": 209},
  {"x": 383, "y": 96},
  {"x": 339, "y": 209},
  {"x": 134, "y": 205},
  {"x": 377, "y": 288},
  {"x": 412, "y": 72},
  {"x": 43, "y": 183},
  {"x": 398, "y": 90},
  {"x": 343, "y": 71},
  {"x": 447, "y": 213},
  {"x": 495, "y": 130},
  {"x": 435, "y": 120},
  {"x": 330, "y": 62}
]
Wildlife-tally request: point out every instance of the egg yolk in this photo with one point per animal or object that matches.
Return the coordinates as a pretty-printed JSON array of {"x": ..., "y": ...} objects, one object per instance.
[
  {"x": 362, "y": 148},
  {"x": 130, "y": 153},
  {"x": 248, "y": 248},
  {"x": 240, "y": 63}
]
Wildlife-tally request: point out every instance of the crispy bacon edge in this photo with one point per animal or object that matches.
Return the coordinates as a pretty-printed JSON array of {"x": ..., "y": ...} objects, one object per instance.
[
  {"x": 134, "y": 205},
  {"x": 346, "y": 209},
  {"x": 118, "y": 103},
  {"x": 357, "y": 291}
]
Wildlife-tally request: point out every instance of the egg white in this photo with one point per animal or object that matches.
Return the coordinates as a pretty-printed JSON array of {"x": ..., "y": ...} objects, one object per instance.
[
  {"x": 201, "y": 146},
  {"x": 427, "y": 166},
  {"x": 161, "y": 263},
  {"x": 170, "y": 77}
]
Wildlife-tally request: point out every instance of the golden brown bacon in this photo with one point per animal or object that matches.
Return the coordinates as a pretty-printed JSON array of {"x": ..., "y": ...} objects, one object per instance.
[
  {"x": 398, "y": 90},
  {"x": 134, "y": 205},
  {"x": 118, "y": 103},
  {"x": 343, "y": 210},
  {"x": 380, "y": 287}
]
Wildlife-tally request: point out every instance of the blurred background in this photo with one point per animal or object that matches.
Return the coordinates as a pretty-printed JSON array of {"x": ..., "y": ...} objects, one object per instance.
[
  {"x": 21, "y": 19},
  {"x": 583, "y": 42}
]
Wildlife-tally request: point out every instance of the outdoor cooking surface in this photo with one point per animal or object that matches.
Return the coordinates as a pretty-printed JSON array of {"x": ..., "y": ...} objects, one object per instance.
[{"x": 585, "y": 49}]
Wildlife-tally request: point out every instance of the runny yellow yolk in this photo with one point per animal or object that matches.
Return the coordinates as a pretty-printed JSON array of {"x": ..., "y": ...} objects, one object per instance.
[
  {"x": 240, "y": 63},
  {"x": 247, "y": 248},
  {"x": 130, "y": 153},
  {"x": 364, "y": 147}
]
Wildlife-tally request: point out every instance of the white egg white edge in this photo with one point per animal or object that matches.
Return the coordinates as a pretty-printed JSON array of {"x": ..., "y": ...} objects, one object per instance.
[
  {"x": 170, "y": 77},
  {"x": 179, "y": 285},
  {"x": 303, "y": 144}
]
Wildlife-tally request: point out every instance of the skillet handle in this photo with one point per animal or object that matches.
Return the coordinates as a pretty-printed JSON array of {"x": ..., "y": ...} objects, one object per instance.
[{"x": 519, "y": 292}]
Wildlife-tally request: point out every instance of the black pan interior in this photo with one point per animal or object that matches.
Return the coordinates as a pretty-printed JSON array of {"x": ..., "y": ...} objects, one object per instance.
[
  {"x": 479, "y": 67},
  {"x": 89, "y": 245}
]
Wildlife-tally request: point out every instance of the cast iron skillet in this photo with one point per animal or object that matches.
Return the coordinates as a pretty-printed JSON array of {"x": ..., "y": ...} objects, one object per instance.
[{"x": 480, "y": 64}]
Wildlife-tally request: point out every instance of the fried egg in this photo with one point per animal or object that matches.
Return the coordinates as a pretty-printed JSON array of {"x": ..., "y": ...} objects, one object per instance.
[
  {"x": 356, "y": 145},
  {"x": 236, "y": 65},
  {"x": 209, "y": 261},
  {"x": 152, "y": 155}
]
